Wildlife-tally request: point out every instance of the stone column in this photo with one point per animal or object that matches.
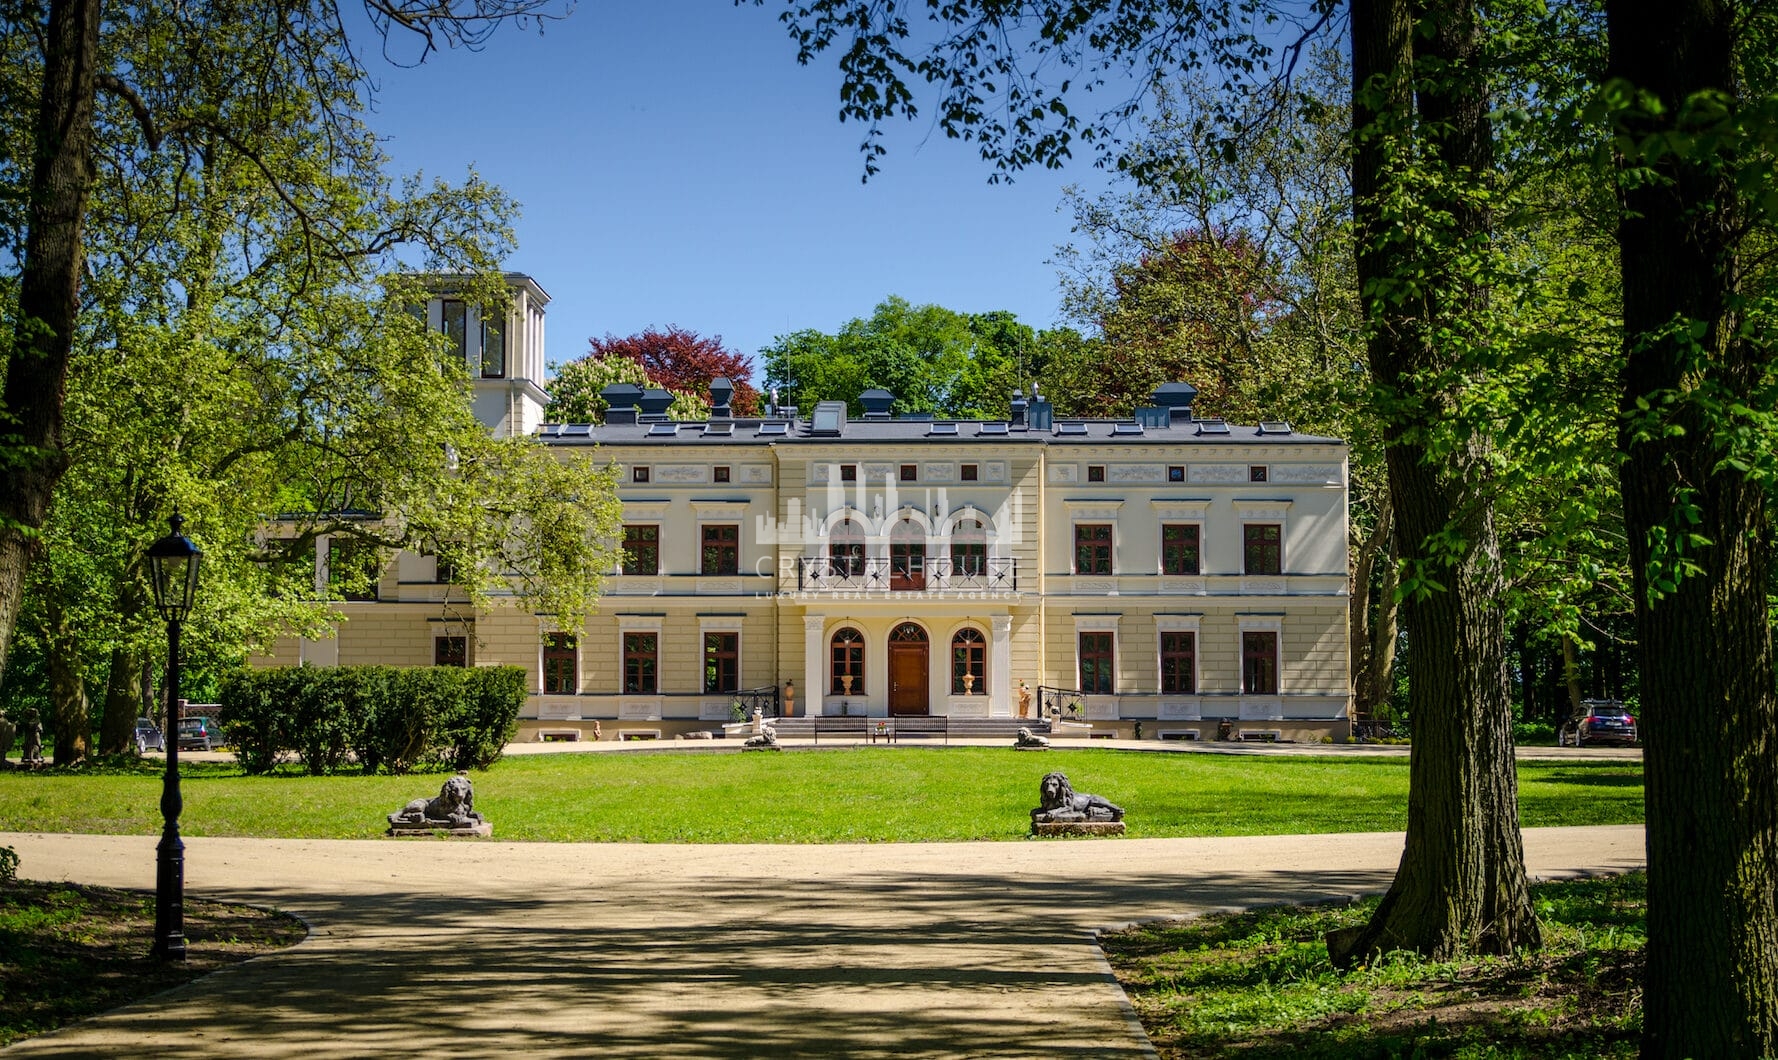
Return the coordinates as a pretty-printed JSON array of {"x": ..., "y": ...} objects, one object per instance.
[
  {"x": 1001, "y": 681},
  {"x": 812, "y": 686}
]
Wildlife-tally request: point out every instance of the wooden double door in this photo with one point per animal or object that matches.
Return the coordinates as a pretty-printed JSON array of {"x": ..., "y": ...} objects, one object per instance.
[{"x": 909, "y": 669}]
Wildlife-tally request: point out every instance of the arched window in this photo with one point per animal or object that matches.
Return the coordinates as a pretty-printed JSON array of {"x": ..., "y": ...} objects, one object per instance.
[
  {"x": 969, "y": 664},
  {"x": 909, "y": 633},
  {"x": 847, "y": 678},
  {"x": 907, "y": 556},
  {"x": 845, "y": 549},
  {"x": 969, "y": 549}
]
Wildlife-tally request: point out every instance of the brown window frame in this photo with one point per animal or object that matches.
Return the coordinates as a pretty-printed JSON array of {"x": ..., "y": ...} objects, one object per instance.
[
  {"x": 910, "y": 473},
  {"x": 845, "y": 657},
  {"x": 1262, "y": 548},
  {"x": 1256, "y": 472},
  {"x": 642, "y": 540},
  {"x": 722, "y": 662},
  {"x": 1176, "y": 473},
  {"x": 719, "y": 473},
  {"x": 450, "y": 651},
  {"x": 1093, "y": 550},
  {"x": 1179, "y": 662},
  {"x": 642, "y": 662},
  {"x": 639, "y": 473},
  {"x": 1182, "y": 552},
  {"x": 561, "y": 664},
  {"x": 1096, "y": 658},
  {"x": 848, "y": 472},
  {"x": 1095, "y": 472},
  {"x": 1259, "y": 662},
  {"x": 969, "y": 473},
  {"x": 723, "y": 540},
  {"x": 845, "y": 555},
  {"x": 969, "y": 654},
  {"x": 969, "y": 556}
]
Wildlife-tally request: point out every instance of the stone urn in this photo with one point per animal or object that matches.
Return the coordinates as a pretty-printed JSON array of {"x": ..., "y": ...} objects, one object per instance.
[
  {"x": 846, "y": 684},
  {"x": 969, "y": 684}
]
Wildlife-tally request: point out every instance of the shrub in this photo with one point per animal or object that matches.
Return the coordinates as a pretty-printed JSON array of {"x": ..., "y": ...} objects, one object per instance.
[
  {"x": 9, "y": 865},
  {"x": 390, "y": 718},
  {"x": 486, "y": 716}
]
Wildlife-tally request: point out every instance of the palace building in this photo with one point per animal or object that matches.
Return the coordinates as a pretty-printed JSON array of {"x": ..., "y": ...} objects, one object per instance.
[{"x": 1166, "y": 570}]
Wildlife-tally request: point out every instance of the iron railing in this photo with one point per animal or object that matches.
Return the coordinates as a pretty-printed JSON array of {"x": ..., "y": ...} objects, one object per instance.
[
  {"x": 874, "y": 573},
  {"x": 766, "y": 699},
  {"x": 1068, "y": 704}
]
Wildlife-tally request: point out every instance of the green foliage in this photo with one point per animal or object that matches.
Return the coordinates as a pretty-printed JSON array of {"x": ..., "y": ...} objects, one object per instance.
[
  {"x": 934, "y": 360},
  {"x": 390, "y": 718},
  {"x": 9, "y": 865},
  {"x": 574, "y": 390}
]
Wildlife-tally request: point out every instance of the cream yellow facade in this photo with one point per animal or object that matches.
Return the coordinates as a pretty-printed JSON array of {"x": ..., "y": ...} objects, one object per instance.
[{"x": 1182, "y": 574}]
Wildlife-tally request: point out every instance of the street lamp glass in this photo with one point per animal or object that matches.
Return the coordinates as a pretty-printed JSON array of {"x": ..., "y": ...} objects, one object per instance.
[{"x": 173, "y": 570}]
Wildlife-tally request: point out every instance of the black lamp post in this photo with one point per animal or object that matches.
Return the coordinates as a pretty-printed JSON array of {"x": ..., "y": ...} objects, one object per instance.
[{"x": 173, "y": 570}]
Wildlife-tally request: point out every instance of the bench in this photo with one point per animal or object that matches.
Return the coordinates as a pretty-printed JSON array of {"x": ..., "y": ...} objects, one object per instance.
[
  {"x": 919, "y": 726},
  {"x": 842, "y": 724},
  {"x": 558, "y": 736}
]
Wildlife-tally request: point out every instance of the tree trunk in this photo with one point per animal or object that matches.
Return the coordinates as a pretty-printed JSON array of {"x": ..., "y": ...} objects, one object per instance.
[
  {"x": 1704, "y": 647},
  {"x": 69, "y": 715},
  {"x": 1571, "y": 675},
  {"x": 49, "y": 294},
  {"x": 124, "y": 686},
  {"x": 1461, "y": 884},
  {"x": 1372, "y": 611}
]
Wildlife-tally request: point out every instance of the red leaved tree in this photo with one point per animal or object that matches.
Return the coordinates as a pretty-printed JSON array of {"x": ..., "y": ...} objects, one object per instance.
[{"x": 685, "y": 361}]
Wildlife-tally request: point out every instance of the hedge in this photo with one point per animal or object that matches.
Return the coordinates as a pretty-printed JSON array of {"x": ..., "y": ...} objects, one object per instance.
[{"x": 397, "y": 719}]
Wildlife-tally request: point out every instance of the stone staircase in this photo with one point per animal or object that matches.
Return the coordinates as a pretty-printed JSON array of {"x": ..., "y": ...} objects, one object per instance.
[{"x": 922, "y": 728}]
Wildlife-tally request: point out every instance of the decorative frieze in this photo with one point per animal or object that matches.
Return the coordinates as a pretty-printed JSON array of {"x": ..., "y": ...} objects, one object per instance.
[
  {"x": 1218, "y": 474},
  {"x": 1136, "y": 473},
  {"x": 1306, "y": 474},
  {"x": 679, "y": 474},
  {"x": 1064, "y": 472},
  {"x": 756, "y": 474}
]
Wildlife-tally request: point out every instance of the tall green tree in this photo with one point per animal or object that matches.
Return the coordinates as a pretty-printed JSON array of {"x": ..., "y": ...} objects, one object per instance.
[
  {"x": 1421, "y": 134},
  {"x": 1691, "y": 90},
  {"x": 126, "y": 86},
  {"x": 934, "y": 360},
  {"x": 574, "y": 390}
]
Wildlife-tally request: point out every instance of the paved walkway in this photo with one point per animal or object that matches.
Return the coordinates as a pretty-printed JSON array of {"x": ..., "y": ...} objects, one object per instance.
[{"x": 490, "y": 949}]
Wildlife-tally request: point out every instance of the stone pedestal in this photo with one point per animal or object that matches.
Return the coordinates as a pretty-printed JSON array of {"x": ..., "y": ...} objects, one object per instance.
[
  {"x": 483, "y": 829},
  {"x": 1078, "y": 828}
]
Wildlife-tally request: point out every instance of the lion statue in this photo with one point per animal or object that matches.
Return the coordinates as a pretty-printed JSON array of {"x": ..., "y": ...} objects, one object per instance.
[
  {"x": 767, "y": 740},
  {"x": 454, "y": 807},
  {"x": 1030, "y": 741},
  {"x": 1061, "y": 803}
]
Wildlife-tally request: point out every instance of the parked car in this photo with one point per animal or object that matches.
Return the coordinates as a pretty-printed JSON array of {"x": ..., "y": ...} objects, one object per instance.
[
  {"x": 199, "y": 734},
  {"x": 1601, "y": 721},
  {"x": 149, "y": 736}
]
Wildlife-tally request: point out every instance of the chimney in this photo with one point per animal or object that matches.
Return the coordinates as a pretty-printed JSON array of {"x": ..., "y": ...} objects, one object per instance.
[
  {"x": 654, "y": 402},
  {"x": 876, "y": 403},
  {"x": 1017, "y": 417},
  {"x": 1177, "y": 399},
  {"x": 620, "y": 402},
  {"x": 721, "y": 393}
]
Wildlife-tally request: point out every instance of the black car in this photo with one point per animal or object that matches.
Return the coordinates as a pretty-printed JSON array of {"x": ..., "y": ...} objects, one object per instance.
[
  {"x": 149, "y": 736},
  {"x": 1601, "y": 721}
]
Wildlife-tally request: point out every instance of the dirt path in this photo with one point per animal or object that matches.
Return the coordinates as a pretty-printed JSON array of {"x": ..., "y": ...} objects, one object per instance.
[{"x": 489, "y": 949}]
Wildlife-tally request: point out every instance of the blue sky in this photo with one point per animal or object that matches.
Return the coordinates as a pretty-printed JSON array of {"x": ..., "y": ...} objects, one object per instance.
[{"x": 676, "y": 166}]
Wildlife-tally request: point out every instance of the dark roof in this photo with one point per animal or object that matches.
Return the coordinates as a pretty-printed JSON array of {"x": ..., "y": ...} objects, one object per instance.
[{"x": 917, "y": 432}]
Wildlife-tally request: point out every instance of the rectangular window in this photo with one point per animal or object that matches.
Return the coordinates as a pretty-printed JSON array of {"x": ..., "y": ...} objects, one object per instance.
[
  {"x": 720, "y": 473},
  {"x": 1096, "y": 663},
  {"x": 493, "y": 347},
  {"x": 969, "y": 558},
  {"x": 353, "y": 568},
  {"x": 639, "y": 474},
  {"x": 1259, "y": 663},
  {"x": 910, "y": 473},
  {"x": 848, "y": 472},
  {"x": 1179, "y": 548},
  {"x": 444, "y": 572},
  {"x": 1179, "y": 662},
  {"x": 455, "y": 323},
  {"x": 1095, "y": 472},
  {"x": 722, "y": 549},
  {"x": 561, "y": 665},
  {"x": 641, "y": 657},
  {"x": 642, "y": 549},
  {"x": 1264, "y": 548},
  {"x": 1256, "y": 473},
  {"x": 1176, "y": 473},
  {"x": 450, "y": 651},
  {"x": 969, "y": 472},
  {"x": 846, "y": 558},
  {"x": 722, "y": 662},
  {"x": 1092, "y": 548}
]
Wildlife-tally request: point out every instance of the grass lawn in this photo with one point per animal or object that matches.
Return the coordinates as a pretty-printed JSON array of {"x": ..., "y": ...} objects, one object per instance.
[
  {"x": 68, "y": 951},
  {"x": 864, "y": 794},
  {"x": 1258, "y": 984}
]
